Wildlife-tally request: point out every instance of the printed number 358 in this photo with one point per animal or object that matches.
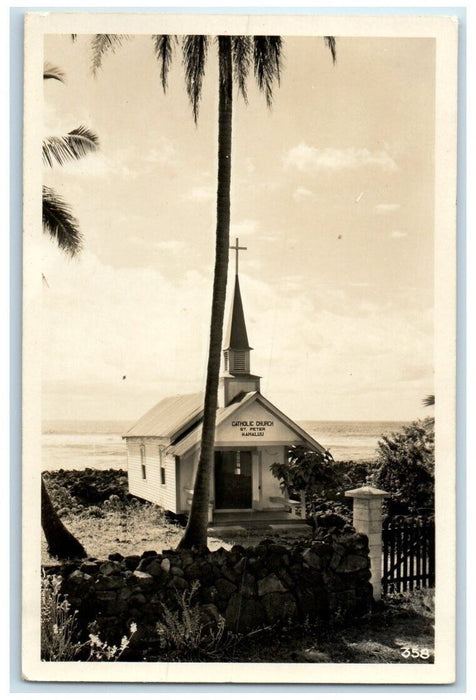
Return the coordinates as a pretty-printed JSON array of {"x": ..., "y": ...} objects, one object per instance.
[{"x": 415, "y": 653}]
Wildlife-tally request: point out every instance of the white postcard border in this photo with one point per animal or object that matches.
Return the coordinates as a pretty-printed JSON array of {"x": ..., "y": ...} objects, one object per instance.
[{"x": 444, "y": 30}]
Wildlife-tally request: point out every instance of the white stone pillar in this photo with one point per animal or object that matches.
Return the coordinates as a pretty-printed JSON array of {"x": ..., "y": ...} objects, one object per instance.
[{"x": 367, "y": 519}]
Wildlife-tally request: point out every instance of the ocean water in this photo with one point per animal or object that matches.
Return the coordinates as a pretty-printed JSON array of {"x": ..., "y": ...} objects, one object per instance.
[
  {"x": 351, "y": 440},
  {"x": 99, "y": 445}
]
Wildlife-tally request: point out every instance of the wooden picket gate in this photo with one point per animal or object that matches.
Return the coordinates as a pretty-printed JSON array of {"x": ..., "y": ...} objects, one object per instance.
[{"x": 408, "y": 554}]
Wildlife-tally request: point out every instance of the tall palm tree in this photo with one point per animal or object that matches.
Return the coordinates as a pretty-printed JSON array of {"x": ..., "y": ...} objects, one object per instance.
[
  {"x": 61, "y": 225},
  {"x": 236, "y": 56}
]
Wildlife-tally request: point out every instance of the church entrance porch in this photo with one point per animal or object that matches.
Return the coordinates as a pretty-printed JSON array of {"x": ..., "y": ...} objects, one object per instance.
[
  {"x": 233, "y": 480},
  {"x": 255, "y": 525}
]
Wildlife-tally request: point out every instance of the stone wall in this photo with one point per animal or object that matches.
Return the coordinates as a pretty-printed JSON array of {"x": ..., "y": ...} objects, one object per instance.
[{"x": 250, "y": 587}]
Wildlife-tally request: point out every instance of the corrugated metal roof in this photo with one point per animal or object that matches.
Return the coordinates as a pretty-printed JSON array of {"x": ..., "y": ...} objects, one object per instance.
[{"x": 169, "y": 416}]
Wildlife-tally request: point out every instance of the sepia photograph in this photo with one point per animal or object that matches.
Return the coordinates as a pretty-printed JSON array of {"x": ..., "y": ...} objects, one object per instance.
[{"x": 239, "y": 348}]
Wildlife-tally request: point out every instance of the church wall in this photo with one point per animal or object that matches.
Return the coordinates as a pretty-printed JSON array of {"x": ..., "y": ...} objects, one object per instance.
[
  {"x": 232, "y": 388},
  {"x": 254, "y": 424},
  {"x": 151, "y": 488},
  {"x": 270, "y": 487},
  {"x": 169, "y": 491},
  {"x": 187, "y": 474}
]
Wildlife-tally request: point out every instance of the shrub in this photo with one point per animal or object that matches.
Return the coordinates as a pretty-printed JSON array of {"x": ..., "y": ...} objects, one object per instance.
[
  {"x": 185, "y": 634},
  {"x": 58, "y": 624},
  {"x": 59, "y": 634},
  {"x": 419, "y": 602},
  {"x": 102, "y": 651},
  {"x": 351, "y": 475},
  {"x": 406, "y": 466},
  {"x": 323, "y": 481}
]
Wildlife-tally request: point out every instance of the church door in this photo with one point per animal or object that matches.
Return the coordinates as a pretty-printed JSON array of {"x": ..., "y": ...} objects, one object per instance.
[{"x": 232, "y": 480}]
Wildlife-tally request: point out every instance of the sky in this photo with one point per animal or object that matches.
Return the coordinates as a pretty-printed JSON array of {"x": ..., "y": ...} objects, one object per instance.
[{"x": 332, "y": 194}]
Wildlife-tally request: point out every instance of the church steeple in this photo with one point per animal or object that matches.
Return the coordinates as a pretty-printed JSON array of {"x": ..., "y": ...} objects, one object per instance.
[
  {"x": 237, "y": 348},
  {"x": 236, "y": 378}
]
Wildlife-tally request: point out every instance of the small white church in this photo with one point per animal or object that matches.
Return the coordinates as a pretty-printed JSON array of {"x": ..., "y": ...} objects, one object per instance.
[{"x": 251, "y": 434}]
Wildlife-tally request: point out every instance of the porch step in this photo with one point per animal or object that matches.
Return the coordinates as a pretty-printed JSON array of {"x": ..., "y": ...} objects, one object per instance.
[
  {"x": 263, "y": 527},
  {"x": 263, "y": 516},
  {"x": 271, "y": 522}
]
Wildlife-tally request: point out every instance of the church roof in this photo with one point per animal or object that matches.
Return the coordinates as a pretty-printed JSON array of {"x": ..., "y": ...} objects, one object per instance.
[
  {"x": 170, "y": 416},
  {"x": 237, "y": 337},
  {"x": 192, "y": 439}
]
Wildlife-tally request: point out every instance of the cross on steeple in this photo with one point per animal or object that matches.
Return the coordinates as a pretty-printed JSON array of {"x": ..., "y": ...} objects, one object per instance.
[{"x": 237, "y": 248}]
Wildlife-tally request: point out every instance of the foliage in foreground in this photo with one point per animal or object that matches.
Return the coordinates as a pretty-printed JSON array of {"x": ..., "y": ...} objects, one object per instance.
[
  {"x": 58, "y": 623},
  {"x": 187, "y": 634},
  {"x": 59, "y": 633}
]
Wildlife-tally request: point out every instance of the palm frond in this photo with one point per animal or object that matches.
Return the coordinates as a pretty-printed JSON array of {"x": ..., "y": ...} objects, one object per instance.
[
  {"x": 275, "y": 51},
  {"x": 331, "y": 43},
  {"x": 51, "y": 72},
  {"x": 267, "y": 63},
  {"x": 102, "y": 44},
  {"x": 59, "y": 222},
  {"x": 164, "y": 46},
  {"x": 429, "y": 400},
  {"x": 194, "y": 49},
  {"x": 242, "y": 53},
  {"x": 76, "y": 144}
]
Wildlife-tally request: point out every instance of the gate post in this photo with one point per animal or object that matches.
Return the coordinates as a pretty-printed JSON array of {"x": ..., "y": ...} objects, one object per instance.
[{"x": 367, "y": 518}]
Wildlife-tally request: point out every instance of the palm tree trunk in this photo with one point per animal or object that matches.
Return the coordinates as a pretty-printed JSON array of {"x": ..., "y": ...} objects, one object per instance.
[
  {"x": 61, "y": 543},
  {"x": 196, "y": 531}
]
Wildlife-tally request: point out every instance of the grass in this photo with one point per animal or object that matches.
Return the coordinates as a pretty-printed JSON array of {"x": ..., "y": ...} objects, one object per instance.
[
  {"x": 387, "y": 636},
  {"x": 134, "y": 527},
  {"x": 130, "y": 528}
]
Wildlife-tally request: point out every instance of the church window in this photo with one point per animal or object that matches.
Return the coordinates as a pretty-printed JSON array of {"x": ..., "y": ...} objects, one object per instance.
[
  {"x": 162, "y": 476},
  {"x": 237, "y": 464},
  {"x": 142, "y": 462}
]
